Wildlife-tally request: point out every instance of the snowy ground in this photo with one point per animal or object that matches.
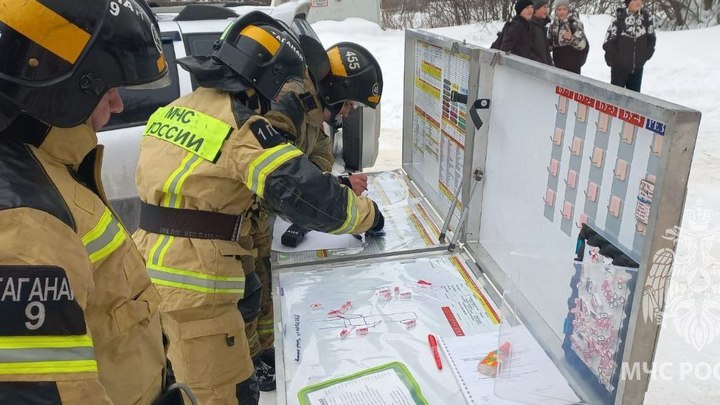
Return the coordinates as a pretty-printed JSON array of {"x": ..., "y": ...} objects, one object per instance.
[{"x": 684, "y": 70}]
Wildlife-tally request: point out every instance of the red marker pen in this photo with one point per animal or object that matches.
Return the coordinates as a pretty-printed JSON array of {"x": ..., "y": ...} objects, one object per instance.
[{"x": 433, "y": 346}]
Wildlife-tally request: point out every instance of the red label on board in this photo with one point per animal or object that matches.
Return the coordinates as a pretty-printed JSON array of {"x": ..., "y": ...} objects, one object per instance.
[
  {"x": 564, "y": 92},
  {"x": 583, "y": 99},
  {"x": 606, "y": 108},
  {"x": 453, "y": 321},
  {"x": 632, "y": 118}
]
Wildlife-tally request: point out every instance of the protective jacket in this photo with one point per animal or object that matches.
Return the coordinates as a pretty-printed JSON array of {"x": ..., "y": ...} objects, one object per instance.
[
  {"x": 208, "y": 152},
  {"x": 317, "y": 146},
  {"x": 80, "y": 316},
  {"x": 312, "y": 139}
]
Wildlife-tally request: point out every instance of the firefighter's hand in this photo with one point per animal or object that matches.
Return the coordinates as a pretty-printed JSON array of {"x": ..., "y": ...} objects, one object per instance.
[{"x": 358, "y": 183}]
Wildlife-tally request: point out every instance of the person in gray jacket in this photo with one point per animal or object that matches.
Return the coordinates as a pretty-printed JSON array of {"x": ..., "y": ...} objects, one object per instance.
[{"x": 567, "y": 40}]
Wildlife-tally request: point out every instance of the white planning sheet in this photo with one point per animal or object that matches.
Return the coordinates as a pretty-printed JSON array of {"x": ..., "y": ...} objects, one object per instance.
[{"x": 390, "y": 308}]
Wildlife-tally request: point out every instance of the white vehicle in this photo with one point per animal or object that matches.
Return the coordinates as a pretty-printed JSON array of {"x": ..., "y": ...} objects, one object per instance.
[{"x": 192, "y": 30}]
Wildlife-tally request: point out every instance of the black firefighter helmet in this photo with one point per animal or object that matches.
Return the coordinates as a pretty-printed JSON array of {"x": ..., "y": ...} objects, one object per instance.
[
  {"x": 255, "y": 51},
  {"x": 354, "y": 75},
  {"x": 60, "y": 57}
]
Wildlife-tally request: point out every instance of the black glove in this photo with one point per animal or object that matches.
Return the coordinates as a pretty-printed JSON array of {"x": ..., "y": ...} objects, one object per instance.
[
  {"x": 377, "y": 229},
  {"x": 597, "y": 241},
  {"x": 625, "y": 261}
]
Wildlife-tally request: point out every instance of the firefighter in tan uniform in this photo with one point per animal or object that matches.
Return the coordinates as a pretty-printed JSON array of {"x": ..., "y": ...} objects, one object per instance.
[
  {"x": 350, "y": 76},
  {"x": 205, "y": 160},
  {"x": 80, "y": 321}
]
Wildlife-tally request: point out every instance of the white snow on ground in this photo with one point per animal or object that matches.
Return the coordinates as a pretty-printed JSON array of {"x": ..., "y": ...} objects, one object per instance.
[{"x": 684, "y": 70}]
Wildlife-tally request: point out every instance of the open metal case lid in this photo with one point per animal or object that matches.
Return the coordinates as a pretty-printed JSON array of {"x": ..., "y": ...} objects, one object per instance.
[
  {"x": 558, "y": 154},
  {"x": 441, "y": 80}
]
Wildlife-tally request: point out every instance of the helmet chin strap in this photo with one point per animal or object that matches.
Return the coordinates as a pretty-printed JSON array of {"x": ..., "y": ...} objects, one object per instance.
[
  {"x": 254, "y": 101},
  {"x": 24, "y": 128},
  {"x": 264, "y": 104},
  {"x": 334, "y": 110}
]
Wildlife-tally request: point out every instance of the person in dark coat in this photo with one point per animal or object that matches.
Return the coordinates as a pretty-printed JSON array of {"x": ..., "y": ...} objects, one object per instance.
[
  {"x": 629, "y": 43},
  {"x": 516, "y": 33},
  {"x": 539, "y": 49},
  {"x": 567, "y": 40}
]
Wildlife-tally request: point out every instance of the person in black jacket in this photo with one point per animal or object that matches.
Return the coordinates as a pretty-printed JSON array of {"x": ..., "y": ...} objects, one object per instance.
[
  {"x": 516, "y": 33},
  {"x": 539, "y": 49},
  {"x": 629, "y": 43}
]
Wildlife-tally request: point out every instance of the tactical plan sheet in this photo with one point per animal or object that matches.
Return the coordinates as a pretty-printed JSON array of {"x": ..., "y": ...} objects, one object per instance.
[{"x": 347, "y": 318}]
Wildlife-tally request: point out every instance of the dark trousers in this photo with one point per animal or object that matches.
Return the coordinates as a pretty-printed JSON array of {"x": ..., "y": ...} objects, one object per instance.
[
  {"x": 248, "y": 392},
  {"x": 574, "y": 69},
  {"x": 626, "y": 78}
]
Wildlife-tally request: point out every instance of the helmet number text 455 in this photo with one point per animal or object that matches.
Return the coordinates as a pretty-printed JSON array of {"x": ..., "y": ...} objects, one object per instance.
[{"x": 352, "y": 60}]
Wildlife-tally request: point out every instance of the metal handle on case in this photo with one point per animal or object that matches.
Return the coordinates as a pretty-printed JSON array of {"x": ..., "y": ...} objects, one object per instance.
[
  {"x": 477, "y": 176},
  {"x": 451, "y": 211}
]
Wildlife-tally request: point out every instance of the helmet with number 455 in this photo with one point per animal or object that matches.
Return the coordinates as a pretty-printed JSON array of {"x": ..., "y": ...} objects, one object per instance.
[
  {"x": 354, "y": 75},
  {"x": 60, "y": 57}
]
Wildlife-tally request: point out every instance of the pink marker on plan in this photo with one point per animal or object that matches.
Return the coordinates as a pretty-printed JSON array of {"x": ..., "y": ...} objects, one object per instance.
[
  {"x": 423, "y": 283},
  {"x": 409, "y": 323}
]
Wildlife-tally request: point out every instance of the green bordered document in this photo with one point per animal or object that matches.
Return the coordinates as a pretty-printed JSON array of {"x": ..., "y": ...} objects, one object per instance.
[{"x": 390, "y": 384}]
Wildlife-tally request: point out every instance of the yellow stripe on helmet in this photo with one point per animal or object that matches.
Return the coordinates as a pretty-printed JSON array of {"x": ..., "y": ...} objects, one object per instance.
[
  {"x": 336, "y": 64},
  {"x": 262, "y": 37},
  {"x": 45, "y": 27}
]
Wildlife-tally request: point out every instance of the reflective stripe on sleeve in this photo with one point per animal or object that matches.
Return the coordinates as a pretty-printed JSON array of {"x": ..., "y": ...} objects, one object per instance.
[
  {"x": 106, "y": 237},
  {"x": 194, "y": 281},
  {"x": 351, "y": 214},
  {"x": 266, "y": 163},
  {"x": 253, "y": 339},
  {"x": 265, "y": 327},
  {"x": 46, "y": 355}
]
